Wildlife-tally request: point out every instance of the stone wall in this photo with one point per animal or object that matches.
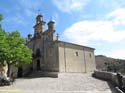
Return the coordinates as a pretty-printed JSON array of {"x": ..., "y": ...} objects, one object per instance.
[
  {"x": 109, "y": 76},
  {"x": 51, "y": 58},
  {"x": 26, "y": 69},
  {"x": 90, "y": 60},
  {"x": 13, "y": 71},
  {"x": 75, "y": 58}
]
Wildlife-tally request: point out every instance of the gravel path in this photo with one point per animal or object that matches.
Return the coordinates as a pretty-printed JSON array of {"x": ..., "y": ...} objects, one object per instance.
[{"x": 65, "y": 83}]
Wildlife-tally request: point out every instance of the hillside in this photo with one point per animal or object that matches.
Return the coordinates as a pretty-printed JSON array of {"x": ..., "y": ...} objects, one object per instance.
[{"x": 101, "y": 60}]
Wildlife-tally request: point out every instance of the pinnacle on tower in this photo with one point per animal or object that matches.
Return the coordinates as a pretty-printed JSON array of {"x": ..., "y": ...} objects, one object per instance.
[{"x": 40, "y": 24}]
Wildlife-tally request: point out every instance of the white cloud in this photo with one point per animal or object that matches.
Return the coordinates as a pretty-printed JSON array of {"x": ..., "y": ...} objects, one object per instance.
[
  {"x": 99, "y": 31},
  {"x": 117, "y": 16},
  {"x": 117, "y": 54},
  {"x": 84, "y": 32},
  {"x": 70, "y": 5}
]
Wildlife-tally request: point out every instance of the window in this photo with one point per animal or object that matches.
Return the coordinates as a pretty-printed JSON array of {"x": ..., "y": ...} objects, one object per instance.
[
  {"x": 90, "y": 55},
  {"x": 38, "y": 54},
  {"x": 76, "y": 53}
]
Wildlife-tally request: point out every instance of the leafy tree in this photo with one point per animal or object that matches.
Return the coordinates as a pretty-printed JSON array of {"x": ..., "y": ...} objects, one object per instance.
[
  {"x": 0, "y": 20},
  {"x": 13, "y": 49},
  {"x": 16, "y": 50},
  {"x": 2, "y": 43},
  {"x": 111, "y": 67},
  {"x": 115, "y": 67}
]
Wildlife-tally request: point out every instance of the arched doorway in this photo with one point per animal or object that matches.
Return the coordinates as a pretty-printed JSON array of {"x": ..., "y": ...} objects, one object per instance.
[{"x": 38, "y": 65}]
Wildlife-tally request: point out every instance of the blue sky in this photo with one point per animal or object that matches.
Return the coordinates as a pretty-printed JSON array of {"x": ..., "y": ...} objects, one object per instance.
[{"x": 96, "y": 23}]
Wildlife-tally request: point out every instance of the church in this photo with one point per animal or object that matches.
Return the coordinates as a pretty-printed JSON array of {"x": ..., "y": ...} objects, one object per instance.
[{"x": 53, "y": 55}]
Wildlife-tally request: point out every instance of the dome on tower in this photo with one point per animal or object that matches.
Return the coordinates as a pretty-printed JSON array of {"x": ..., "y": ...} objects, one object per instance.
[{"x": 39, "y": 18}]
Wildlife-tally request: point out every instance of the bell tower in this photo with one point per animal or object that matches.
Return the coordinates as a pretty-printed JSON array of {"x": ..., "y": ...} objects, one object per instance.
[
  {"x": 39, "y": 26},
  {"x": 39, "y": 19},
  {"x": 51, "y": 25}
]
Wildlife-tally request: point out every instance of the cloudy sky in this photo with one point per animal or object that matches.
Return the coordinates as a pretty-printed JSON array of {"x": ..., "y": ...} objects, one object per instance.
[{"x": 96, "y": 23}]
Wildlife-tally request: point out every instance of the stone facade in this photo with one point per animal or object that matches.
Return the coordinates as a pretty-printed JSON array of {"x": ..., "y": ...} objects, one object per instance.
[
  {"x": 50, "y": 54},
  {"x": 75, "y": 58}
]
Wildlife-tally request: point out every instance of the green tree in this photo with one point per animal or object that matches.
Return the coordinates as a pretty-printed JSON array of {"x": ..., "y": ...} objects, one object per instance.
[
  {"x": 1, "y": 17},
  {"x": 114, "y": 67},
  {"x": 2, "y": 43},
  {"x": 13, "y": 49},
  {"x": 16, "y": 50}
]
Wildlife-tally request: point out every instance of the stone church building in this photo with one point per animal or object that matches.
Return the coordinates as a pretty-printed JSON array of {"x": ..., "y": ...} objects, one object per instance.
[{"x": 52, "y": 55}]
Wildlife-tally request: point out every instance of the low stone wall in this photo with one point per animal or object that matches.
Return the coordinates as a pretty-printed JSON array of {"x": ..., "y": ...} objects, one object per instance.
[
  {"x": 117, "y": 79},
  {"x": 13, "y": 71},
  {"x": 26, "y": 69},
  {"x": 109, "y": 76}
]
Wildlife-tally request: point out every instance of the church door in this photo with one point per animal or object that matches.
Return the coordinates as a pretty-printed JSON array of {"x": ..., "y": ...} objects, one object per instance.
[{"x": 38, "y": 65}]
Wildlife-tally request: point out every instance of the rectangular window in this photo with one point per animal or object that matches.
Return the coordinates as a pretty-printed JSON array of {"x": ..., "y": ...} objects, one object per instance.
[
  {"x": 76, "y": 53},
  {"x": 90, "y": 55}
]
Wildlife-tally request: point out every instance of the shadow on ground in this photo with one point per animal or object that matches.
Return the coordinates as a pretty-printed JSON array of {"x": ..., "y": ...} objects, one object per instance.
[{"x": 40, "y": 74}]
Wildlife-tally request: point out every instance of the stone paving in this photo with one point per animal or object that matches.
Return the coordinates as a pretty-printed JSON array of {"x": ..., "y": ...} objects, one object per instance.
[{"x": 65, "y": 83}]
